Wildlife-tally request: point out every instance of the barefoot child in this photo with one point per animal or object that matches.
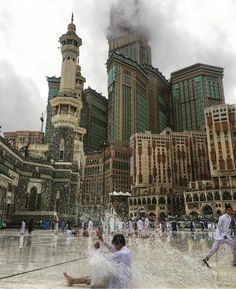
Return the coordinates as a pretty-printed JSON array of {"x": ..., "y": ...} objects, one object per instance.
[{"x": 120, "y": 261}]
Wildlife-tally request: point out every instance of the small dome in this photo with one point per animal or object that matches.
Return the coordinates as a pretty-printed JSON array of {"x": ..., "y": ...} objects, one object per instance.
[{"x": 71, "y": 27}]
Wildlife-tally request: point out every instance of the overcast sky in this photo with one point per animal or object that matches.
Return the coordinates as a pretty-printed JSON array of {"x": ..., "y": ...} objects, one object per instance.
[{"x": 182, "y": 32}]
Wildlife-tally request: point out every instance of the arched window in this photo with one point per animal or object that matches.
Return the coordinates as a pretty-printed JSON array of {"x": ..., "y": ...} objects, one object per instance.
[
  {"x": 207, "y": 210},
  {"x": 195, "y": 198},
  {"x": 139, "y": 202},
  {"x": 135, "y": 202},
  {"x": 188, "y": 198},
  {"x": 162, "y": 201},
  {"x": 217, "y": 196},
  {"x": 131, "y": 202},
  {"x": 234, "y": 196},
  {"x": 162, "y": 216},
  {"x": 144, "y": 201},
  {"x": 149, "y": 201},
  {"x": 218, "y": 212},
  {"x": 154, "y": 201},
  {"x": 202, "y": 197},
  {"x": 33, "y": 199},
  {"x": 209, "y": 197},
  {"x": 227, "y": 196}
]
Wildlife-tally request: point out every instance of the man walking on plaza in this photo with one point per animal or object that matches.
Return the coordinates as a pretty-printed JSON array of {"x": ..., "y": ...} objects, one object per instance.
[{"x": 221, "y": 235}]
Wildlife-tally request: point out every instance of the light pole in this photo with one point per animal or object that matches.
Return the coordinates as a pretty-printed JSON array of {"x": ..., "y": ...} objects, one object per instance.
[{"x": 104, "y": 145}]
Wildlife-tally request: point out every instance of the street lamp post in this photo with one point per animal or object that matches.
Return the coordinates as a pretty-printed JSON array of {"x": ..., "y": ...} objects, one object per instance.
[{"x": 104, "y": 145}]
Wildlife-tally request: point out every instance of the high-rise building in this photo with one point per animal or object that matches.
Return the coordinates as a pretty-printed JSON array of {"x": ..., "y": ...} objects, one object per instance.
[
  {"x": 128, "y": 99},
  {"x": 209, "y": 197},
  {"x": 138, "y": 94},
  {"x": 193, "y": 89},
  {"x": 125, "y": 33},
  {"x": 53, "y": 85},
  {"x": 159, "y": 99},
  {"x": 94, "y": 118},
  {"x": 105, "y": 172},
  {"x": 162, "y": 165},
  {"x": 221, "y": 135}
]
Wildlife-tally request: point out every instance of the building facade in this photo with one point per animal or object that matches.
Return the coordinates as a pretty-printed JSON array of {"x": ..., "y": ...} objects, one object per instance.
[
  {"x": 193, "y": 89},
  {"x": 210, "y": 197},
  {"x": 49, "y": 185},
  {"x": 128, "y": 99},
  {"x": 138, "y": 94},
  {"x": 20, "y": 139},
  {"x": 158, "y": 91},
  {"x": 94, "y": 118},
  {"x": 162, "y": 165},
  {"x": 105, "y": 172}
]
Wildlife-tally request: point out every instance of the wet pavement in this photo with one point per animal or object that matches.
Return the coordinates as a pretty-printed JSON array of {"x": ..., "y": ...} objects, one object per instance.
[{"x": 167, "y": 261}]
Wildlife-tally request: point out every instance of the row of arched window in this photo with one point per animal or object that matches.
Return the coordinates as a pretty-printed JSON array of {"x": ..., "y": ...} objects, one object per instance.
[
  {"x": 149, "y": 201},
  {"x": 216, "y": 196}
]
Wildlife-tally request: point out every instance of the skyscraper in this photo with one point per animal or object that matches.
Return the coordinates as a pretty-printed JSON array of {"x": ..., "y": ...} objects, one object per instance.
[
  {"x": 193, "y": 89},
  {"x": 94, "y": 119},
  {"x": 125, "y": 33},
  {"x": 138, "y": 94},
  {"x": 221, "y": 135},
  {"x": 128, "y": 98}
]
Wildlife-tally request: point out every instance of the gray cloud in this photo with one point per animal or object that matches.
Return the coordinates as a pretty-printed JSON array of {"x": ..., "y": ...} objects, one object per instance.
[
  {"x": 173, "y": 47},
  {"x": 20, "y": 102}
]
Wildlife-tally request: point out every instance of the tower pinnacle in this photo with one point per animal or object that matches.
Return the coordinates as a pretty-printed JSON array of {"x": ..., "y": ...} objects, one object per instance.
[{"x": 72, "y": 18}]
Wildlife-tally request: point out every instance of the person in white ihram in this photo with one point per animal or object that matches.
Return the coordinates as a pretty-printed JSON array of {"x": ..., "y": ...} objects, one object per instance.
[
  {"x": 140, "y": 227},
  {"x": 146, "y": 225},
  {"x": 90, "y": 227},
  {"x": 221, "y": 235},
  {"x": 22, "y": 232}
]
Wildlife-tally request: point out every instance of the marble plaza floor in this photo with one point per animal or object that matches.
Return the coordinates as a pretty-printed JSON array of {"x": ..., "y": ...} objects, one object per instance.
[{"x": 168, "y": 261}]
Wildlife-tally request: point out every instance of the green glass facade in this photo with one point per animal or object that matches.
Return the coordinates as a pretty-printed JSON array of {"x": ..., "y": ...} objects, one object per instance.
[
  {"x": 128, "y": 99},
  {"x": 54, "y": 86},
  {"x": 194, "y": 89},
  {"x": 94, "y": 120}
]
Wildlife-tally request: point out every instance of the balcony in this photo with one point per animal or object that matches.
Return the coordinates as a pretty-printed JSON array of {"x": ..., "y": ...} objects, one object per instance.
[{"x": 64, "y": 120}]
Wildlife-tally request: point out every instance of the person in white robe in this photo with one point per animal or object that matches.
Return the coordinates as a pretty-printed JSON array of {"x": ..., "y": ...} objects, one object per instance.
[
  {"x": 140, "y": 228},
  {"x": 222, "y": 236}
]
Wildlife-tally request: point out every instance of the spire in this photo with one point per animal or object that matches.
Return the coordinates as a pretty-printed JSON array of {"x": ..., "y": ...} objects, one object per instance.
[{"x": 71, "y": 26}]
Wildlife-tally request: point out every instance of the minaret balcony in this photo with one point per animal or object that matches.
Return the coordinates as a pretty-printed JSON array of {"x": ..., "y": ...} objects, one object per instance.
[
  {"x": 64, "y": 100},
  {"x": 64, "y": 120}
]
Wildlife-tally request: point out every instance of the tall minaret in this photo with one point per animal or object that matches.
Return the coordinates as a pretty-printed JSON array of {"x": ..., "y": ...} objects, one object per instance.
[{"x": 67, "y": 104}]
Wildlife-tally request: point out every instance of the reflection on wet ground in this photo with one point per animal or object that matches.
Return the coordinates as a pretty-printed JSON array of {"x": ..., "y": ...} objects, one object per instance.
[{"x": 167, "y": 261}]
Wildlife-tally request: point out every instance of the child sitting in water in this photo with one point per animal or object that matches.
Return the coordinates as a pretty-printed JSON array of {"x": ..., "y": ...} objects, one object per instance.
[{"x": 121, "y": 266}]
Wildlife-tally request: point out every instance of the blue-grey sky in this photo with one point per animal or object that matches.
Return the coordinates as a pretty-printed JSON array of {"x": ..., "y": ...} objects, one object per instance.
[{"x": 182, "y": 32}]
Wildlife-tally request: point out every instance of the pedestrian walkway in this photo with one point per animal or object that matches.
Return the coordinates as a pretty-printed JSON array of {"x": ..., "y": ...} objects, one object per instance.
[{"x": 170, "y": 261}]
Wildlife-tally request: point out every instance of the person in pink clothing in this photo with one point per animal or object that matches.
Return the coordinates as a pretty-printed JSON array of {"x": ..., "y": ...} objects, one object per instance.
[{"x": 221, "y": 235}]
